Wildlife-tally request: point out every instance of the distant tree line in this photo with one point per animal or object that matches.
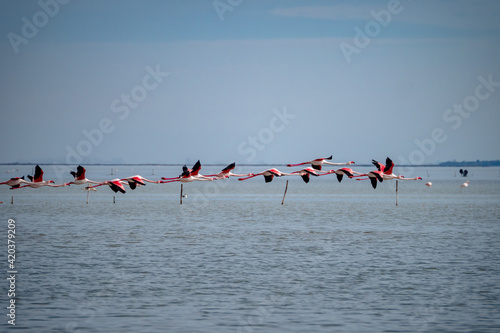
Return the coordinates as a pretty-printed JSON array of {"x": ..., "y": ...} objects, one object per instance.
[{"x": 470, "y": 163}]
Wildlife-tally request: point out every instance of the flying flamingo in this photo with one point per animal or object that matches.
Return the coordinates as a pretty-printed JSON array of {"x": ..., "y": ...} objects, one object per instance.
[
  {"x": 37, "y": 180},
  {"x": 347, "y": 172},
  {"x": 305, "y": 173},
  {"x": 14, "y": 182},
  {"x": 188, "y": 175},
  {"x": 226, "y": 172},
  {"x": 387, "y": 170},
  {"x": 268, "y": 175},
  {"x": 317, "y": 163},
  {"x": 373, "y": 176},
  {"x": 116, "y": 185},
  {"x": 135, "y": 181},
  {"x": 79, "y": 176}
]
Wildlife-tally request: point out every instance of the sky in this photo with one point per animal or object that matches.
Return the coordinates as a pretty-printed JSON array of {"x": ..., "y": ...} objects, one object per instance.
[{"x": 261, "y": 81}]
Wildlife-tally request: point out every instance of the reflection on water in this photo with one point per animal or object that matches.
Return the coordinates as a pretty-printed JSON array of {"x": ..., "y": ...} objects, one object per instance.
[{"x": 335, "y": 257}]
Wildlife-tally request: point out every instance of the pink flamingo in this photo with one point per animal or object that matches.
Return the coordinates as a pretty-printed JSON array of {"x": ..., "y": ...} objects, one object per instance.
[
  {"x": 188, "y": 175},
  {"x": 226, "y": 172},
  {"x": 387, "y": 170},
  {"x": 317, "y": 163},
  {"x": 116, "y": 185},
  {"x": 79, "y": 176},
  {"x": 305, "y": 173},
  {"x": 347, "y": 172},
  {"x": 135, "y": 181},
  {"x": 37, "y": 180},
  {"x": 373, "y": 176},
  {"x": 14, "y": 182},
  {"x": 268, "y": 175}
]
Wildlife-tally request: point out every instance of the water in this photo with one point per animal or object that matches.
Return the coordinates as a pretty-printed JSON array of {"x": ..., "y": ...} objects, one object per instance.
[{"x": 334, "y": 258}]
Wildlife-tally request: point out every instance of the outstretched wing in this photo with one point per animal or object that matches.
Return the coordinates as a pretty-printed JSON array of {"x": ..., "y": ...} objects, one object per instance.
[
  {"x": 196, "y": 168},
  {"x": 340, "y": 176},
  {"x": 117, "y": 186},
  {"x": 380, "y": 167},
  {"x": 229, "y": 167},
  {"x": 80, "y": 172},
  {"x": 389, "y": 165},
  {"x": 305, "y": 177},
  {"x": 38, "y": 174},
  {"x": 185, "y": 171},
  {"x": 268, "y": 178}
]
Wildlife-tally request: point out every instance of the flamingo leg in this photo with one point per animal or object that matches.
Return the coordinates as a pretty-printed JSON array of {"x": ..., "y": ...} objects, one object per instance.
[
  {"x": 164, "y": 178},
  {"x": 168, "y": 181},
  {"x": 252, "y": 175},
  {"x": 294, "y": 165}
]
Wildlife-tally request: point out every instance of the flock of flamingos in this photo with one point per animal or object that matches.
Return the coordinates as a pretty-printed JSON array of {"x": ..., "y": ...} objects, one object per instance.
[{"x": 383, "y": 172}]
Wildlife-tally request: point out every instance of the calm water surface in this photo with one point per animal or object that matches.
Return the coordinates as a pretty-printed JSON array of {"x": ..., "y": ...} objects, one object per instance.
[{"x": 334, "y": 258}]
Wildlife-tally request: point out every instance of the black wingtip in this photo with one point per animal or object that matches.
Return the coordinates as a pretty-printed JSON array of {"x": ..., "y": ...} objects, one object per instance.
[
  {"x": 339, "y": 177},
  {"x": 305, "y": 178}
]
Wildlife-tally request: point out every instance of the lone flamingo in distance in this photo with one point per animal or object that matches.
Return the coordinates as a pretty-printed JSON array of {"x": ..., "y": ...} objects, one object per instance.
[
  {"x": 466, "y": 184},
  {"x": 268, "y": 175},
  {"x": 135, "y": 181},
  {"x": 318, "y": 163},
  {"x": 79, "y": 176},
  {"x": 226, "y": 172},
  {"x": 116, "y": 185},
  {"x": 428, "y": 184},
  {"x": 37, "y": 180}
]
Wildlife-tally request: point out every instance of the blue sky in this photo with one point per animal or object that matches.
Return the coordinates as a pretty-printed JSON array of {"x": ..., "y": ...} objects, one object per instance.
[{"x": 249, "y": 81}]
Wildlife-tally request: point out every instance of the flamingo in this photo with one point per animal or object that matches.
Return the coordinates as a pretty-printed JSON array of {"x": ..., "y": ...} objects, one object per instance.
[
  {"x": 116, "y": 185},
  {"x": 79, "y": 176},
  {"x": 135, "y": 181},
  {"x": 466, "y": 184},
  {"x": 226, "y": 172},
  {"x": 387, "y": 170},
  {"x": 268, "y": 175},
  {"x": 37, "y": 180},
  {"x": 14, "y": 182},
  {"x": 346, "y": 171},
  {"x": 188, "y": 175},
  {"x": 428, "y": 184},
  {"x": 373, "y": 176},
  {"x": 305, "y": 173},
  {"x": 317, "y": 163}
]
